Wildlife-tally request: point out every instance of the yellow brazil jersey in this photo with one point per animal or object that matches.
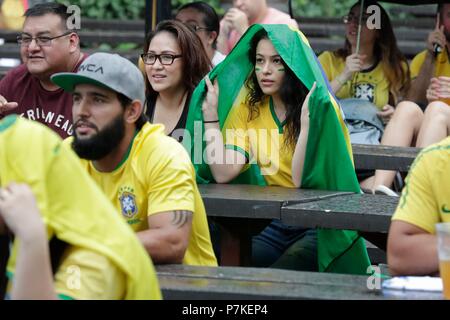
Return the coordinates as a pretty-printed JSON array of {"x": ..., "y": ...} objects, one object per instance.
[
  {"x": 77, "y": 212},
  {"x": 425, "y": 199},
  {"x": 442, "y": 64},
  {"x": 261, "y": 140},
  {"x": 371, "y": 85},
  {"x": 86, "y": 275},
  {"x": 157, "y": 176}
]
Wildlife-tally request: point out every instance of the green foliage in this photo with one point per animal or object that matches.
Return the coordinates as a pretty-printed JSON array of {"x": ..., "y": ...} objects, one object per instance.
[
  {"x": 109, "y": 9},
  {"x": 328, "y": 8},
  {"x": 213, "y": 3}
]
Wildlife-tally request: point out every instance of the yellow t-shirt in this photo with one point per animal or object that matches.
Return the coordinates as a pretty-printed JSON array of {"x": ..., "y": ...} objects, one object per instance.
[
  {"x": 371, "y": 85},
  {"x": 157, "y": 176},
  {"x": 74, "y": 210},
  {"x": 12, "y": 12},
  {"x": 425, "y": 199},
  {"x": 84, "y": 274},
  {"x": 261, "y": 140},
  {"x": 442, "y": 64}
]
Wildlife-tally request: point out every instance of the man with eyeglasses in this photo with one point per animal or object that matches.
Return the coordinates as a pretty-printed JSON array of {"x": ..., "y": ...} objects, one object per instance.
[
  {"x": 203, "y": 19},
  {"x": 243, "y": 14},
  {"x": 47, "y": 46},
  {"x": 147, "y": 175}
]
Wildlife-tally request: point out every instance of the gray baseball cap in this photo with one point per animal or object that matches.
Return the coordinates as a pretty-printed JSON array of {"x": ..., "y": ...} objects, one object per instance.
[{"x": 106, "y": 70}]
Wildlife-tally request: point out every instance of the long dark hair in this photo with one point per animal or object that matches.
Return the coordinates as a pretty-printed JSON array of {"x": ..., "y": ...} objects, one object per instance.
[
  {"x": 196, "y": 63},
  {"x": 394, "y": 63},
  {"x": 292, "y": 92}
]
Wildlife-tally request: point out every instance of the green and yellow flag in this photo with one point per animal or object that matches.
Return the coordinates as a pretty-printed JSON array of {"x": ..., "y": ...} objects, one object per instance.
[
  {"x": 73, "y": 207},
  {"x": 328, "y": 161}
]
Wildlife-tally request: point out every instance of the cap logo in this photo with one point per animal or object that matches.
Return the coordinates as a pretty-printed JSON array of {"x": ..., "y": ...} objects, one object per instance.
[{"x": 91, "y": 68}]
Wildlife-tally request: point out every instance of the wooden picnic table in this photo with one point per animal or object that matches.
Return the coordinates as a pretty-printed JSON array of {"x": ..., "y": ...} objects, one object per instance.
[
  {"x": 361, "y": 212},
  {"x": 235, "y": 283},
  {"x": 245, "y": 210},
  {"x": 384, "y": 157}
]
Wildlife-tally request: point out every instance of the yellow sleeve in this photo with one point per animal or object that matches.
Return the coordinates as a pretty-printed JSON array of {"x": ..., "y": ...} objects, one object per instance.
[
  {"x": 418, "y": 205},
  {"x": 87, "y": 275},
  {"x": 416, "y": 64},
  {"x": 235, "y": 130},
  {"x": 171, "y": 179},
  {"x": 326, "y": 60}
]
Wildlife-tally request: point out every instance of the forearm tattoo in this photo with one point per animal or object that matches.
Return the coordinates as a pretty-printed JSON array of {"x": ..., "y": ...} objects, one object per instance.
[{"x": 180, "y": 217}]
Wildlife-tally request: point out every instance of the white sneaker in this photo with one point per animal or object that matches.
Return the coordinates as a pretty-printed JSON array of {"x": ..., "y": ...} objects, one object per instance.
[{"x": 381, "y": 189}]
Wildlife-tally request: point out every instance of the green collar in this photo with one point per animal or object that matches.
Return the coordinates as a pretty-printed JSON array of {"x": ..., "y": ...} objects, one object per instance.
[
  {"x": 128, "y": 152},
  {"x": 279, "y": 124}
]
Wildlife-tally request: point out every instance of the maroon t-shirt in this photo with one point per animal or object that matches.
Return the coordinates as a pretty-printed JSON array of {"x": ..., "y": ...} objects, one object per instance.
[{"x": 52, "y": 108}]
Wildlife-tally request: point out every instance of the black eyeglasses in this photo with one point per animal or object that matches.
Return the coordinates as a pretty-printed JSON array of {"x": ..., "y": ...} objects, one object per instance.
[
  {"x": 351, "y": 18},
  {"x": 164, "y": 58},
  {"x": 42, "y": 41},
  {"x": 196, "y": 28}
]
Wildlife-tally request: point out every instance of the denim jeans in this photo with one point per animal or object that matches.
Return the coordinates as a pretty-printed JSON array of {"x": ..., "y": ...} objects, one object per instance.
[{"x": 285, "y": 247}]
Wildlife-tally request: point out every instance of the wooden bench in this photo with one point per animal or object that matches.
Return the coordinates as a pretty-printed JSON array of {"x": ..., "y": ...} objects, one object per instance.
[
  {"x": 361, "y": 212},
  {"x": 384, "y": 157},
  {"x": 233, "y": 283}
]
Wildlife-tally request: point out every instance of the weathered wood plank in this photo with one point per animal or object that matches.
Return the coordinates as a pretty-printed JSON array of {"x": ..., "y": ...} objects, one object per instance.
[
  {"x": 249, "y": 201},
  {"x": 362, "y": 212},
  {"x": 226, "y": 283},
  {"x": 384, "y": 157}
]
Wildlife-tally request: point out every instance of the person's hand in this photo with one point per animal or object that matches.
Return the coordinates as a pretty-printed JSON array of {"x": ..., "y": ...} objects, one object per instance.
[
  {"x": 433, "y": 88},
  {"x": 238, "y": 20},
  {"x": 211, "y": 101},
  {"x": 437, "y": 36},
  {"x": 386, "y": 113},
  {"x": 304, "y": 118},
  {"x": 439, "y": 89},
  {"x": 444, "y": 87},
  {"x": 353, "y": 63},
  {"x": 19, "y": 210},
  {"x": 5, "y": 105}
]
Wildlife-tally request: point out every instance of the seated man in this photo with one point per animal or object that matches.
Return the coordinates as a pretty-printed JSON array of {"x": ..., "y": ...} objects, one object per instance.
[
  {"x": 147, "y": 175},
  {"x": 425, "y": 201},
  {"x": 46, "y": 194},
  {"x": 47, "y": 45}
]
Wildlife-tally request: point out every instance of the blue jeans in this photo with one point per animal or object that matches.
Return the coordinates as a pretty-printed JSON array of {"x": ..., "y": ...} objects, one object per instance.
[{"x": 285, "y": 247}]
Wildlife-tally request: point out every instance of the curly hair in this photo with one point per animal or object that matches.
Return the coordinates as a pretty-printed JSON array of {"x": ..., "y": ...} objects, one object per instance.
[{"x": 292, "y": 92}]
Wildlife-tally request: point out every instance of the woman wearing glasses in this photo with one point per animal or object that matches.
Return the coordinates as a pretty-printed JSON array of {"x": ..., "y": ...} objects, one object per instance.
[
  {"x": 377, "y": 73},
  {"x": 203, "y": 19},
  {"x": 175, "y": 62}
]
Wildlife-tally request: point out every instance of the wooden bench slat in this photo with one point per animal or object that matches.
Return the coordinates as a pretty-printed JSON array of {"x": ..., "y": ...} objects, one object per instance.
[
  {"x": 228, "y": 283},
  {"x": 362, "y": 212},
  {"x": 384, "y": 157}
]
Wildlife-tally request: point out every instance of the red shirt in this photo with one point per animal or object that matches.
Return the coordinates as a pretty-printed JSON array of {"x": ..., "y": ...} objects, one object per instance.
[{"x": 51, "y": 108}]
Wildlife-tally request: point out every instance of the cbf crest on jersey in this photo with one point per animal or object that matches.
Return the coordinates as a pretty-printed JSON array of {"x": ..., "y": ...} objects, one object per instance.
[{"x": 127, "y": 201}]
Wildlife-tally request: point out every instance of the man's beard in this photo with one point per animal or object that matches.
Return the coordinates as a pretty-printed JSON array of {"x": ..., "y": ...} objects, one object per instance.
[{"x": 101, "y": 144}]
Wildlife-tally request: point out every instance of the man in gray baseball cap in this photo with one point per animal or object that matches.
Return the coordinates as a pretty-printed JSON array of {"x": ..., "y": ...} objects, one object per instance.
[{"x": 147, "y": 175}]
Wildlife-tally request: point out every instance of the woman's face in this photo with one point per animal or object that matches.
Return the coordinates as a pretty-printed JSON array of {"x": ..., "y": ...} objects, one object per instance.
[
  {"x": 368, "y": 36},
  {"x": 165, "y": 77},
  {"x": 269, "y": 68}
]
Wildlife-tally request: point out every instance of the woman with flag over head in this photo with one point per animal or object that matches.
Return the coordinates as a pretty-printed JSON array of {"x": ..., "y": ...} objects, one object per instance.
[{"x": 269, "y": 104}]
